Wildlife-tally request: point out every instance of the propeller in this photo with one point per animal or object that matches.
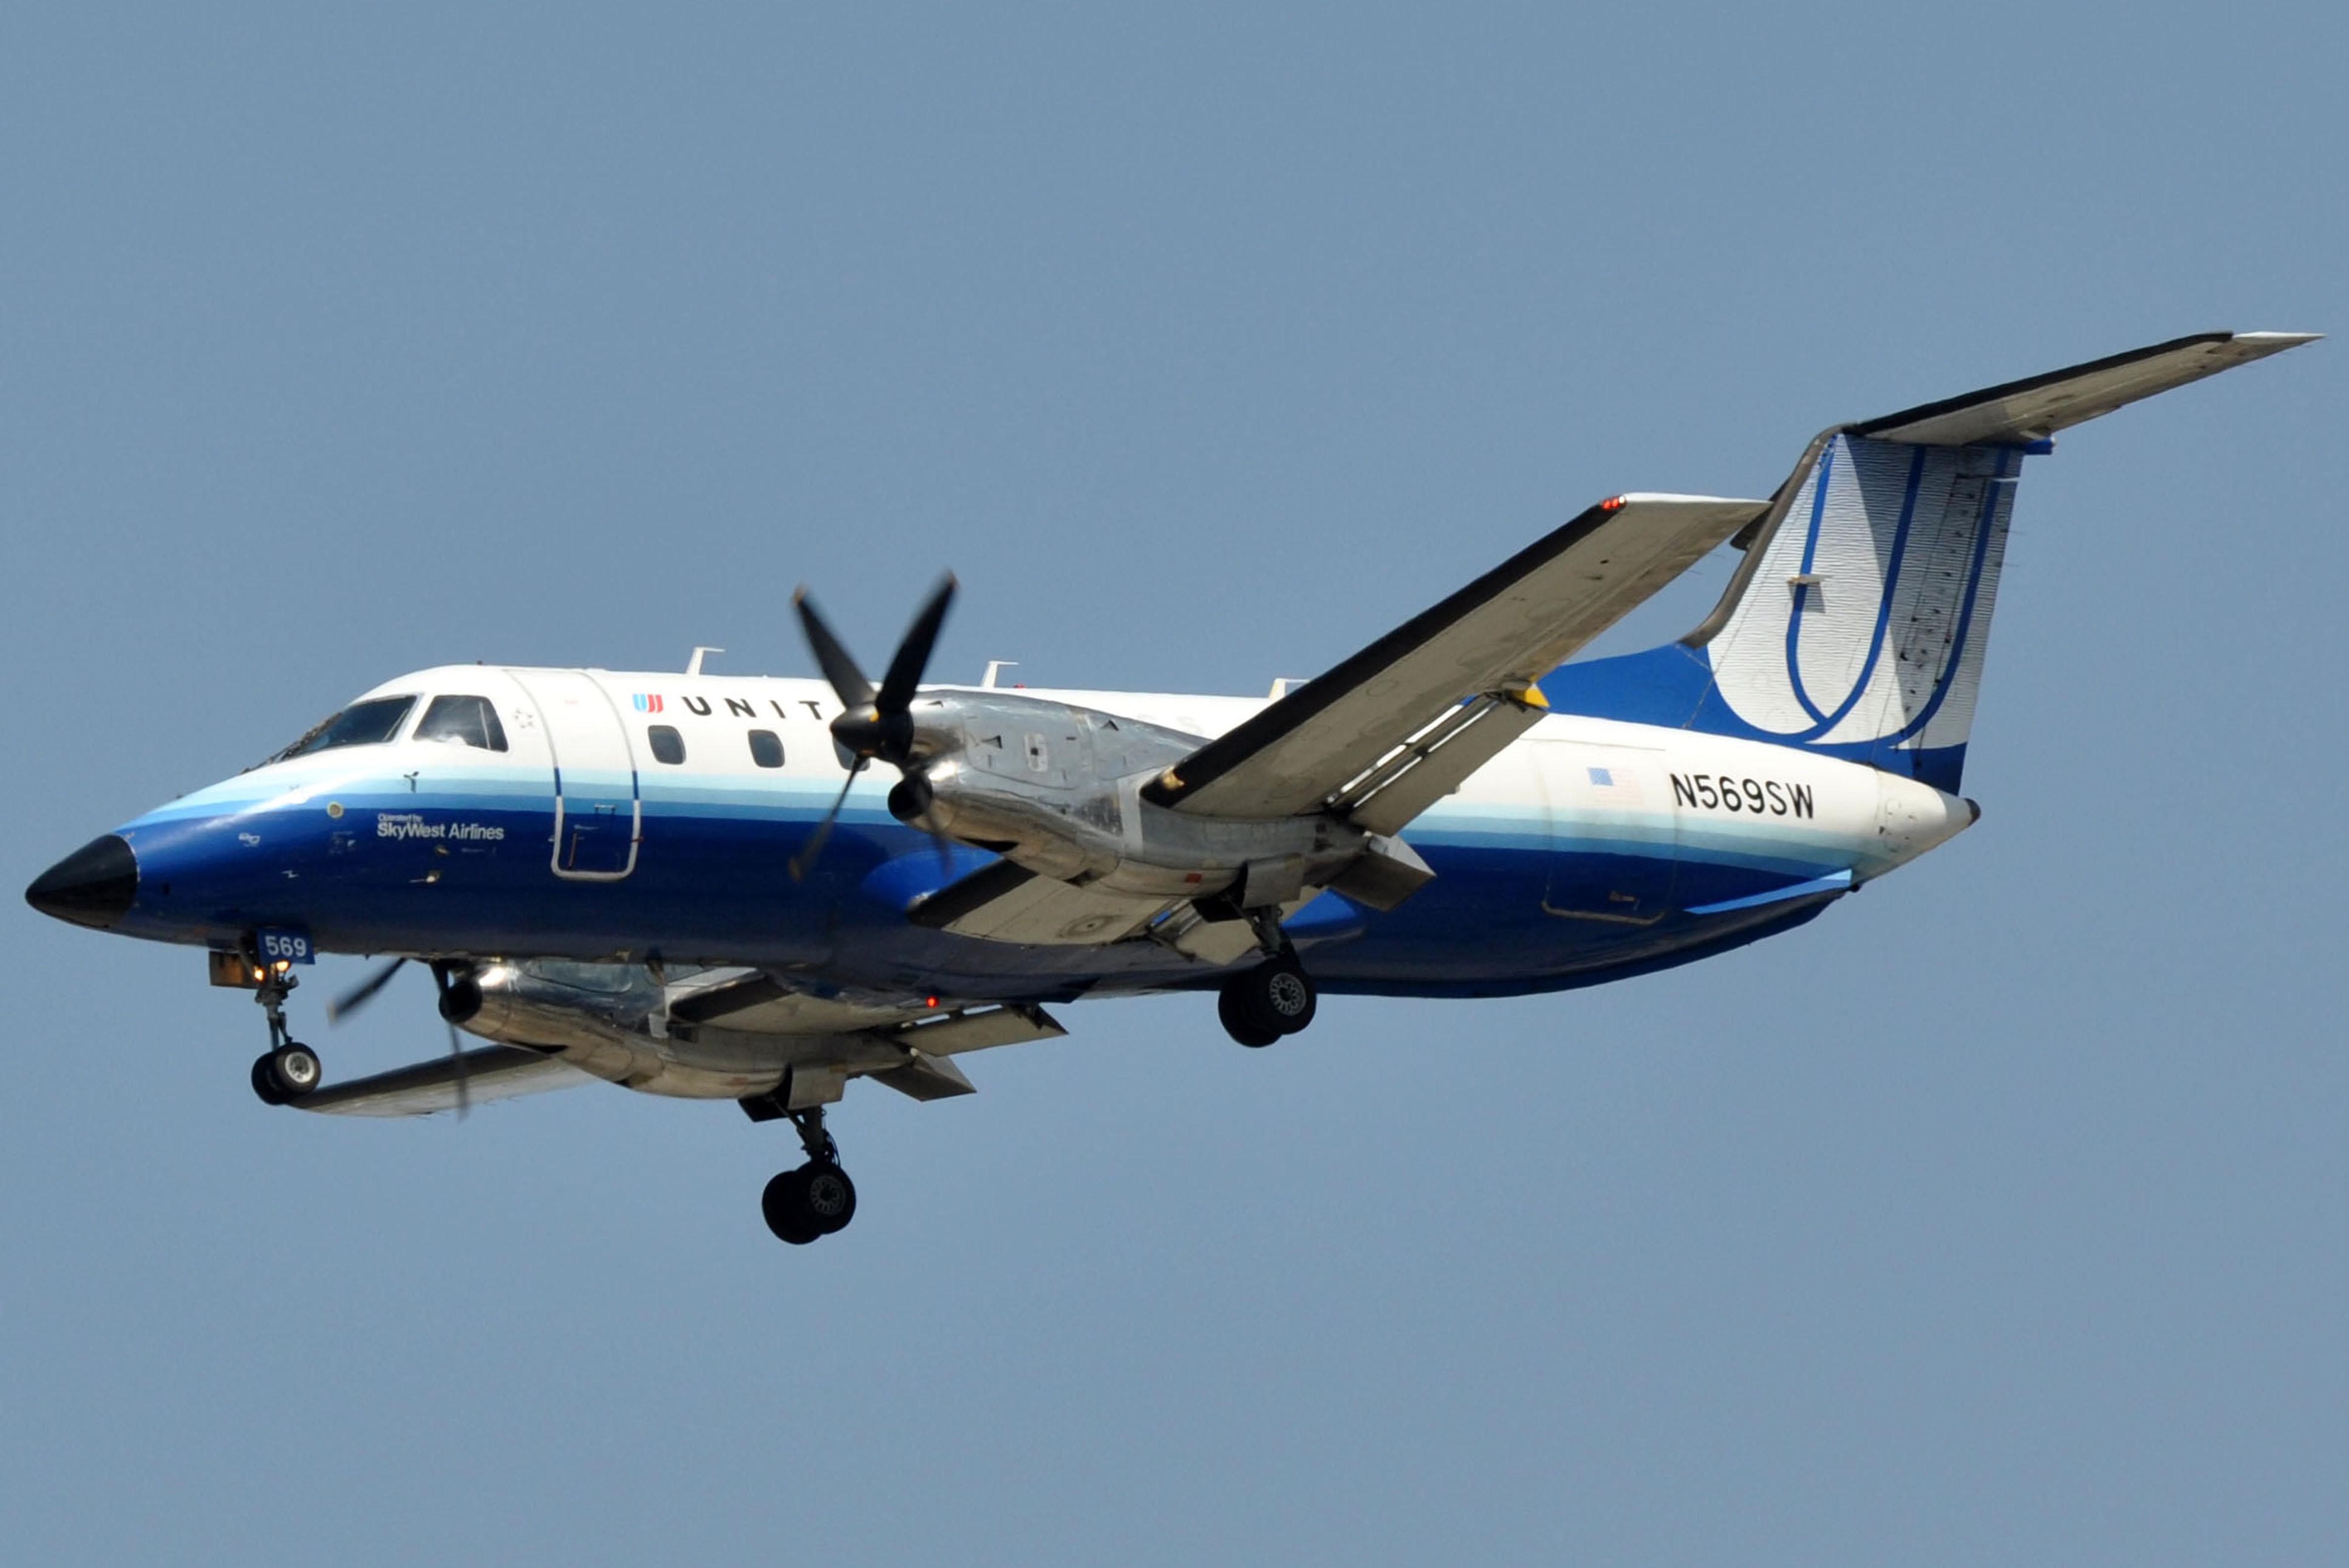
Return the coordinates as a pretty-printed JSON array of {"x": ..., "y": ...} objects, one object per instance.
[
  {"x": 360, "y": 995},
  {"x": 873, "y": 726},
  {"x": 449, "y": 976}
]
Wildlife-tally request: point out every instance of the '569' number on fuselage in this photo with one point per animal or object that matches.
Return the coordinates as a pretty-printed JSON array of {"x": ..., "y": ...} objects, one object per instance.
[{"x": 1759, "y": 797}]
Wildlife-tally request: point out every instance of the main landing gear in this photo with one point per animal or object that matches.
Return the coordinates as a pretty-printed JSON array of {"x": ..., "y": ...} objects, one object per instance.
[
  {"x": 1275, "y": 998},
  {"x": 288, "y": 1070},
  {"x": 818, "y": 1198}
]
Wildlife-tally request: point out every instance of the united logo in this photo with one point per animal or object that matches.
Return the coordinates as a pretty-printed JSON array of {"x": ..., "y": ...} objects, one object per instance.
[{"x": 647, "y": 704}]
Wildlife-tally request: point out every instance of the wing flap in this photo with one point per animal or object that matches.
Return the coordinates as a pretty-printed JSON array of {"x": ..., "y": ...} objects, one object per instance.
[
  {"x": 1497, "y": 635},
  {"x": 926, "y": 1078},
  {"x": 1437, "y": 762},
  {"x": 490, "y": 1072}
]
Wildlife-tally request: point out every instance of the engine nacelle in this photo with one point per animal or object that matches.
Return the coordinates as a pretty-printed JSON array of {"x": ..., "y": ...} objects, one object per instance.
[{"x": 1056, "y": 788}]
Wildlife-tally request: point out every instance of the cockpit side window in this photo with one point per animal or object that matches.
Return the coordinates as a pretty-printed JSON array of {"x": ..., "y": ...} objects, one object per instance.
[
  {"x": 463, "y": 720},
  {"x": 368, "y": 723}
]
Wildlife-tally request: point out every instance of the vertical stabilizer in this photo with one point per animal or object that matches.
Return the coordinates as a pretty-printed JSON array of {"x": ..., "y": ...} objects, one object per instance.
[
  {"x": 1863, "y": 630},
  {"x": 1857, "y": 622}
]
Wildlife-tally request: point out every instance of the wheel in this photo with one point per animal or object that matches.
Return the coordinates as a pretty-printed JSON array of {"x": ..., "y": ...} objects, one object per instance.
[
  {"x": 831, "y": 1195},
  {"x": 788, "y": 1215},
  {"x": 1276, "y": 995},
  {"x": 1286, "y": 997},
  {"x": 290, "y": 1071},
  {"x": 265, "y": 1082},
  {"x": 1240, "y": 1023}
]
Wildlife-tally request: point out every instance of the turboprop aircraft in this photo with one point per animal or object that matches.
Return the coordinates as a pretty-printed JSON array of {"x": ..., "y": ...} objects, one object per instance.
[{"x": 703, "y": 886}]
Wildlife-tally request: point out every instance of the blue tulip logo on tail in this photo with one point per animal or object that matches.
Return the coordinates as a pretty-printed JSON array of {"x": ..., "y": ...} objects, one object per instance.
[{"x": 1862, "y": 632}]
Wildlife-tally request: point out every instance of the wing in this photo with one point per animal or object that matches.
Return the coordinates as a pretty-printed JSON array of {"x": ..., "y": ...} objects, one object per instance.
[
  {"x": 491, "y": 1072},
  {"x": 832, "y": 1039},
  {"x": 1490, "y": 641},
  {"x": 1005, "y": 903}
]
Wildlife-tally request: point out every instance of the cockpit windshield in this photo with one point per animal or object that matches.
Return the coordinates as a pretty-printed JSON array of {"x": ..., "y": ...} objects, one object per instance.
[
  {"x": 464, "y": 721},
  {"x": 368, "y": 723}
]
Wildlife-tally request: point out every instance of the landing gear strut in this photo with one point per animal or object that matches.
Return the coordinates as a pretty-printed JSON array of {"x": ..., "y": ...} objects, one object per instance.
[
  {"x": 818, "y": 1198},
  {"x": 288, "y": 1070},
  {"x": 1275, "y": 998}
]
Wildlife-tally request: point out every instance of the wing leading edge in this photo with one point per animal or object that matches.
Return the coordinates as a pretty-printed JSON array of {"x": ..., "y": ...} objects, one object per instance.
[
  {"x": 1491, "y": 640},
  {"x": 488, "y": 1072}
]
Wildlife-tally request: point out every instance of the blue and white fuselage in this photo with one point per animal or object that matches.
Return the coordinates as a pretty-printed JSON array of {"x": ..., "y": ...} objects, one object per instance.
[{"x": 1588, "y": 846}]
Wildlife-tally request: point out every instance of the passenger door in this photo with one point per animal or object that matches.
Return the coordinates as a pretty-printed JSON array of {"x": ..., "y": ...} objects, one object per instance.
[{"x": 598, "y": 813}]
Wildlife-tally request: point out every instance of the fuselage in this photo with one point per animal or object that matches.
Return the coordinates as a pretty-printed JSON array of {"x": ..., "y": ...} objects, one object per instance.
[{"x": 606, "y": 816}]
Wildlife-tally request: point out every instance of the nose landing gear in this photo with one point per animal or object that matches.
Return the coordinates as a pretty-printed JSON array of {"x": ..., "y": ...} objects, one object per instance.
[
  {"x": 817, "y": 1199},
  {"x": 288, "y": 1070},
  {"x": 283, "y": 1076}
]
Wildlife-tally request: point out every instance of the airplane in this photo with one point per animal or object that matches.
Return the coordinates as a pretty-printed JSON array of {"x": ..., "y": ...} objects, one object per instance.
[{"x": 706, "y": 887}]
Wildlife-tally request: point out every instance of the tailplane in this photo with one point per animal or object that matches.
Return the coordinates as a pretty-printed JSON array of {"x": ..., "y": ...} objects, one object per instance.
[{"x": 1857, "y": 622}]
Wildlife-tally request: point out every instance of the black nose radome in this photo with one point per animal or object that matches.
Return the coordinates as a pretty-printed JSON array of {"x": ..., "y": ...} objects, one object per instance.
[{"x": 93, "y": 886}]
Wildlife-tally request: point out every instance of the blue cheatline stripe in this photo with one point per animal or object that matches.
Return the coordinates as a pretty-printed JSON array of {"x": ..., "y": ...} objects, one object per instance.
[
  {"x": 1990, "y": 494},
  {"x": 1883, "y": 607},
  {"x": 1802, "y": 590},
  {"x": 1837, "y": 881}
]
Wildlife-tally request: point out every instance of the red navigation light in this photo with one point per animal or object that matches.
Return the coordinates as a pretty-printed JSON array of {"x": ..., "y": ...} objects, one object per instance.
[{"x": 1614, "y": 505}]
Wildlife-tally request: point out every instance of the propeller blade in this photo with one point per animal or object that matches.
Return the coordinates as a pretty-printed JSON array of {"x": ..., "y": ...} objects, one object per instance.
[
  {"x": 359, "y": 996},
  {"x": 914, "y": 653},
  {"x": 805, "y": 859},
  {"x": 848, "y": 682},
  {"x": 444, "y": 976},
  {"x": 457, "y": 1064}
]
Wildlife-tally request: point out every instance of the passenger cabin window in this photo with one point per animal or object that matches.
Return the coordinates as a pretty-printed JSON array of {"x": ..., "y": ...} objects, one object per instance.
[
  {"x": 464, "y": 721},
  {"x": 368, "y": 723},
  {"x": 668, "y": 746},
  {"x": 766, "y": 749}
]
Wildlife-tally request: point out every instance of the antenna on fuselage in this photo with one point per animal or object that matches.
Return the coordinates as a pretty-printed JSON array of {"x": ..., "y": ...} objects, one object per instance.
[
  {"x": 986, "y": 681},
  {"x": 693, "y": 666}
]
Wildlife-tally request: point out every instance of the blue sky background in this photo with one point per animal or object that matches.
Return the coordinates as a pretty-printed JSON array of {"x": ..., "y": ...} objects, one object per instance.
[{"x": 1997, "y": 1216}]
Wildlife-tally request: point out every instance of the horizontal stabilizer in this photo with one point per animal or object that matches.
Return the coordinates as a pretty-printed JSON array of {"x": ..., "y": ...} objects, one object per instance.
[
  {"x": 2037, "y": 407},
  {"x": 491, "y": 1072}
]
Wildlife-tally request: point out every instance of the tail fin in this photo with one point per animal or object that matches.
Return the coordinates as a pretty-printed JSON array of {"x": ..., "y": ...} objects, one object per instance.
[{"x": 1857, "y": 622}]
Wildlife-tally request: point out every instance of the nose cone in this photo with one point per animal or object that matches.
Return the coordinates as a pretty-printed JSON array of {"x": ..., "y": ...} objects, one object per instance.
[{"x": 93, "y": 886}]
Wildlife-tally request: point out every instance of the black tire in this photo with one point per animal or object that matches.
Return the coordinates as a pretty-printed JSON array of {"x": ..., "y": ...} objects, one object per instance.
[
  {"x": 1276, "y": 995},
  {"x": 265, "y": 1082},
  {"x": 786, "y": 1204},
  {"x": 294, "y": 1070},
  {"x": 831, "y": 1195},
  {"x": 1240, "y": 1023}
]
